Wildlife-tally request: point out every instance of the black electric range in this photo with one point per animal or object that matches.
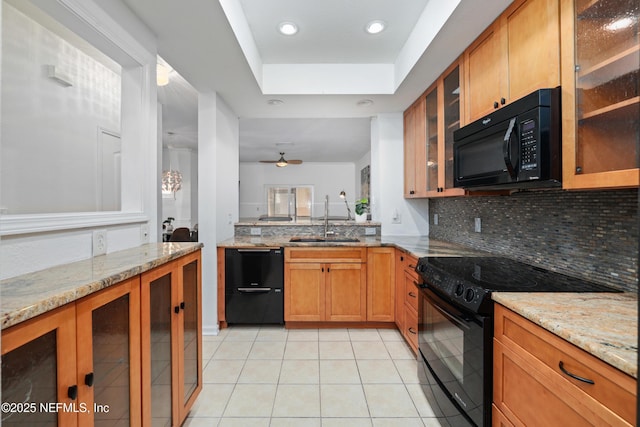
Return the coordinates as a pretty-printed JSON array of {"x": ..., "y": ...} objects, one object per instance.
[{"x": 469, "y": 281}]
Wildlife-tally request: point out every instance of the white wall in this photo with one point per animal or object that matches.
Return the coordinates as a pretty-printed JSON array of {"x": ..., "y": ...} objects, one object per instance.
[
  {"x": 227, "y": 169},
  {"x": 44, "y": 121},
  {"x": 63, "y": 238},
  {"x": 326, "y": 179},
  {"x": 387, "y": 181},
  {"x": 218, "y": 193}
]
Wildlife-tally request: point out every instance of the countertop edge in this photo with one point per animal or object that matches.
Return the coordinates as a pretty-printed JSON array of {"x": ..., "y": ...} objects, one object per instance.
[
  {"x": 575, "y": 325},
  {"x": 53, "y": 300}
]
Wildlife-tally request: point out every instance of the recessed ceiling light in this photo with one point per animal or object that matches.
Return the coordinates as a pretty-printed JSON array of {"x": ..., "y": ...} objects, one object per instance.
[
  {"x": 275, "y": 102},
  {"x": 375, "y": 27},
  {"x": 364, "y": 103},
  {"x": 288, "y": 28}
]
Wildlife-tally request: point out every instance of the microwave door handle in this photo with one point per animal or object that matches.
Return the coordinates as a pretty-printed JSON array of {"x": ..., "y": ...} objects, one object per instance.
[{"x": 506, "y": 149}]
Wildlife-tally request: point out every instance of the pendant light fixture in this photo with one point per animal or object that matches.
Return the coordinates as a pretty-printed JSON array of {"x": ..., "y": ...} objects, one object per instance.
[{"x": 171, "y": 179}]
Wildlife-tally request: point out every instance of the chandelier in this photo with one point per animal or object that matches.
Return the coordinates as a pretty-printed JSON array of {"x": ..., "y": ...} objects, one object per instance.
[{"x": 171, "y": 182}]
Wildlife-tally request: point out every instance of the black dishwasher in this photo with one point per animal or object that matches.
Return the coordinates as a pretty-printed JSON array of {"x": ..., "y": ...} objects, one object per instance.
[{"x": 254, "y": 281}]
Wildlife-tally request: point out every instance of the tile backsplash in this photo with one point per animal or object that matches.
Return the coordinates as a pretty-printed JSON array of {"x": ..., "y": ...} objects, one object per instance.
[{"x": 589, "y": 234}]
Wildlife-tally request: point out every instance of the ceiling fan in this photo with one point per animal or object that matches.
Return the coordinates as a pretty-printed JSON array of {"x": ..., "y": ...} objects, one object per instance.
[{"x": 282, "y": 162}]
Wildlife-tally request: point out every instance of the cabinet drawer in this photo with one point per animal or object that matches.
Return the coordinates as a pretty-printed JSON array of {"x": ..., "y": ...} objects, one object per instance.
[
  {"x": 548, "y": 354},
  {"x": 411, "y": 291},
  {"x": 343, "y": 254},
  {"x": 410, "y": 331}
]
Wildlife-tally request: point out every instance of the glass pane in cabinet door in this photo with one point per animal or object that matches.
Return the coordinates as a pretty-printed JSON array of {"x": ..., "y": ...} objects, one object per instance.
[
  {"x": 432, "y": 140},
  {"x": 607, "y": 98},
  {"x": 110, "y": 326},
  {"x": 451, "y": 120},
  {"x": 160, "y": 291},
  {"x": 29, "y": 376},
  {"x": 191, "y": 351}
]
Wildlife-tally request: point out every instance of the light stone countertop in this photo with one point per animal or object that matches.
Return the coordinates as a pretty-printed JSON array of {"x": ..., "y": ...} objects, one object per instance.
[
  {"x": 603, "y": 324},
  {"x": 29, "y": 295},
  {"x": 420, "y": 246}
]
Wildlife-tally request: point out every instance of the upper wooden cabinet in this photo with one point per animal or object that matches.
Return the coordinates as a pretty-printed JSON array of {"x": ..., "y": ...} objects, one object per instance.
[
  {"x": 415, "y": 149},
  {"x": 600, "y": 99},
  {"x": 429, "y": 138},
  {"x": 517, "y": 54}
]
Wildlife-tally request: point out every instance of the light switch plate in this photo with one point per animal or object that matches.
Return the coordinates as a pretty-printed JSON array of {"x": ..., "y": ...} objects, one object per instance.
[
  {"x": 256, "y": 231},
  {"x": 435, "y": 219},
  {"x": 144, "y": 233},
  {"x": 370, "y": 231},
  {"x": 478, "y": 225}
]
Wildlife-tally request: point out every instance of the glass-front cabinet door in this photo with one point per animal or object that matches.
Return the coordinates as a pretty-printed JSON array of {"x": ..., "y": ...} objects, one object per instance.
[
  {"x": 191, "y": 336},
  {"x": 109, "y": 356},
  {"x": 39, "y": 371},
  {"x": 451, "y": 113},
  {"x": 433, "y": 135},
  {"x": 157, "y": 312},
  {"x": 601, "y": 100}
]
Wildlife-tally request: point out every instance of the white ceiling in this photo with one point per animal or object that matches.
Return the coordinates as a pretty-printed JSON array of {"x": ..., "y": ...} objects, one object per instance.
[{"x": 321, "y": 73}]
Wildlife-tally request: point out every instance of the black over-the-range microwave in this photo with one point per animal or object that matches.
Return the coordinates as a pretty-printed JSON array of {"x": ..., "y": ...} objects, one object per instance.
[{"x": 516, "y": 147}]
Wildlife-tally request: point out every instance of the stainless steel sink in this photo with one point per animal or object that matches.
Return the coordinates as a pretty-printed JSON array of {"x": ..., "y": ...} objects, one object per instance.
[{"x": 307, "y": 239}]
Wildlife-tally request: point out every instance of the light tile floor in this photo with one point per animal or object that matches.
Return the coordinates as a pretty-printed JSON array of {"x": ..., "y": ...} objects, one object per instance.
[{"x": 273, "y": 377}]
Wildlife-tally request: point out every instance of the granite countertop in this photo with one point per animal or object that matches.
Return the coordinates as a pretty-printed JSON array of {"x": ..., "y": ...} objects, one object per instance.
[
  {"x": 603, "y": 324},
  {"x": 420, "y": 246},
  {"x": 29, "y": 295}
]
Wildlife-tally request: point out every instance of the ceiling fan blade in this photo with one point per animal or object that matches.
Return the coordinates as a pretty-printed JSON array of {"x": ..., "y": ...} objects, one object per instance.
[
  {"x": 268, "y": 161},
  {"x": 294, "y": 162}
]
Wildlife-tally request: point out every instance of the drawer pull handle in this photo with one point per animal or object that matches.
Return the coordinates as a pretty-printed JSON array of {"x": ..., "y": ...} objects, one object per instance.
[
  {"x": 574, "y": 376},
  {"x": 411, "y": 266},
  {"x": 412, "y": 295},
  {"x": 412, "y": 331}
]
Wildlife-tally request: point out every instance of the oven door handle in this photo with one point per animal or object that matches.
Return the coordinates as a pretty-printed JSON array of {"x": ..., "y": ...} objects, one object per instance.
[{"x": 453, "y": 318}]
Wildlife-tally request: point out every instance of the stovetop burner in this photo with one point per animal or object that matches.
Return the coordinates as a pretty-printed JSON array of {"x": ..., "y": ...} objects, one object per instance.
[{"x": 469, "y": 281}]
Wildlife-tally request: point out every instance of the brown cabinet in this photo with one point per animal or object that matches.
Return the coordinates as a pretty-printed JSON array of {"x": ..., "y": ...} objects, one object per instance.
[
  {"x": 541, "y": 379},
  {"x": 325, "y": 284},
  {"x": 429, "y": 149},
  {"x": 171, "y": 337},
  {"x": 517, "y": 54},
  {"x": 600, "y": 94},
  {"x": 381, "y": 284},
  {"x": 84, "y": 355},
  {"x": 407, "y": 298},
  {"x": 415, "y": 150}
]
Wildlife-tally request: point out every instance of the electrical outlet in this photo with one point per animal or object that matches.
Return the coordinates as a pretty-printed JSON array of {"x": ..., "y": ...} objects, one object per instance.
[
  {"x": 435, "y": 219},
  {"x": 370, "y": 231},
  {"x": 99, "y": 242},
  {"x": 144, "y": 233},
  {"x": 256, "y": 231},
  {"x": 478, "y": 225}
]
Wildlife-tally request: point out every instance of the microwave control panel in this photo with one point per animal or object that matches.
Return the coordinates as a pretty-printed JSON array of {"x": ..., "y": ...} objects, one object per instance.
[{"x": 528, "y": 145}]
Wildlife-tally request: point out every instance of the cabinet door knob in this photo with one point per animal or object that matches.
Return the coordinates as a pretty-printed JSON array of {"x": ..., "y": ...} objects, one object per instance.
[
  {"x": 412, "y": 192},
  {"x": 495, "y": 104},
  {"x": 176, "y": 309},
  {"x": 412, "y": 331},
  {"x": 503, "y": 101},
  {"x": 182, "y": 305},
  {"x": 88, "y": 379},
  {"x": 72, "y": 392}
]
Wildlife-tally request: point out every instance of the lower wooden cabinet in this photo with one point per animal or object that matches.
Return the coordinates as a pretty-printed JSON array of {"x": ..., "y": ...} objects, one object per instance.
[
  {"x": 325, "y": 284},
  {"x": 78, "y": 364},
  {"x": 130, "y": 354},
  {"x": 407, "y": 298},
  {"x": 171, "y": 307},
  {"x": 530, "y": 387},
  {"x": 381, "y": 292}
]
